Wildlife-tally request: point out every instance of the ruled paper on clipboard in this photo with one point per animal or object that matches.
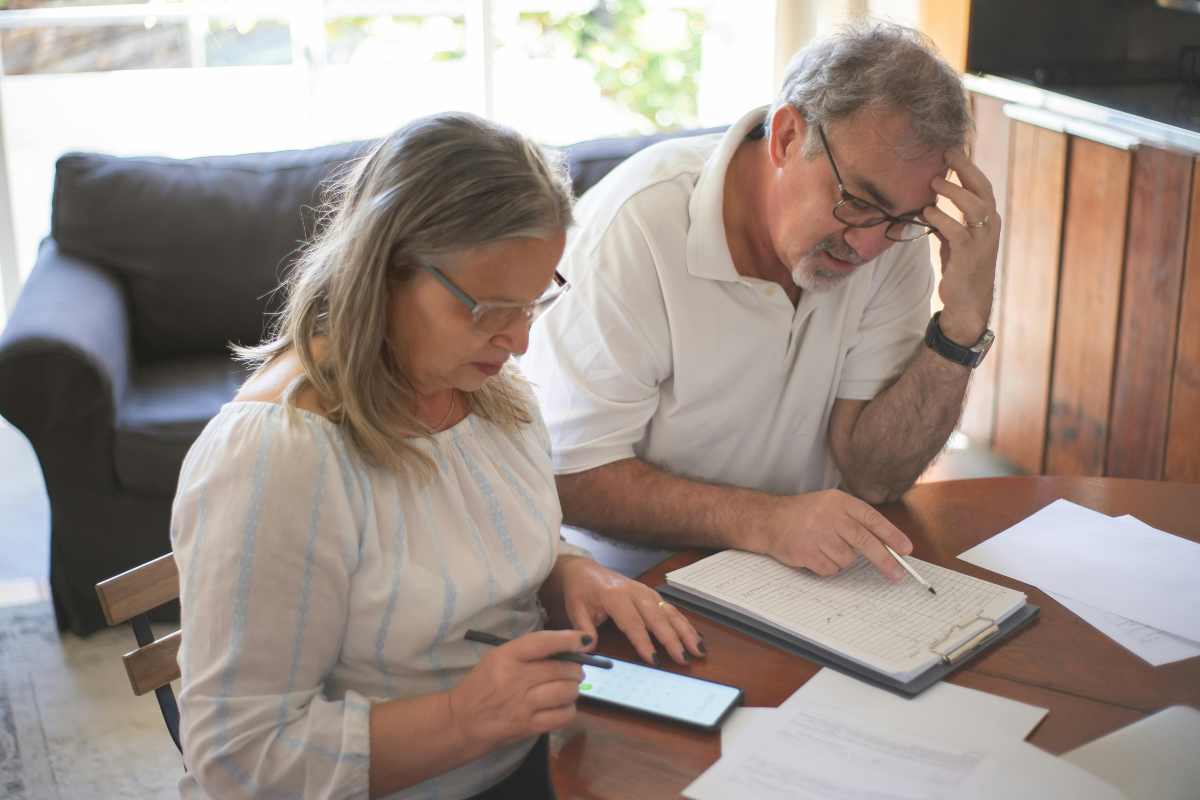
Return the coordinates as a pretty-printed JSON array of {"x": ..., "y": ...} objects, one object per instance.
[{"x": 896, "y": 629}]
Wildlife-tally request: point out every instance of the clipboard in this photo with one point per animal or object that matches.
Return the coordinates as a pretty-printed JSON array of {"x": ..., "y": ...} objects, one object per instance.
[{"x": 951, "y": 660}]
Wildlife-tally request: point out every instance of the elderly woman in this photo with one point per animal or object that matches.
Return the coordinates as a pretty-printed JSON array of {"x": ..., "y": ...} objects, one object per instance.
[{"x": 382, "y": 484}]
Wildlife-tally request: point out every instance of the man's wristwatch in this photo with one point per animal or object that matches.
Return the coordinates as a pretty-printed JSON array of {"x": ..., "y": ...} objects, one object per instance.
[{"x": 946, "y": 348}]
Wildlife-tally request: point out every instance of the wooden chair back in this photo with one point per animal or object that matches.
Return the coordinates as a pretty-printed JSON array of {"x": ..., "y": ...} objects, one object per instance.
[{"x": 129, "y": 597}]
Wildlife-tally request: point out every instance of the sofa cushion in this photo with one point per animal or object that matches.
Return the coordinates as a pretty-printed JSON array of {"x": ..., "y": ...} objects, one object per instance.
[
  {"x": 199, "y": 243},
  {"x": 591, "y": 160},
  {"x": 164, "y": 410}
]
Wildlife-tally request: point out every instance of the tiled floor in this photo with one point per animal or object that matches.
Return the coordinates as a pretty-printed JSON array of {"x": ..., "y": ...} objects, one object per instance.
[
  {"x": 23, "y": 591},
  {"x": 961, "y": 459},
  {"x": 24, "y": 511},
  {"x": 24, "y": 522},
  {"x": 70, "y": 727}
]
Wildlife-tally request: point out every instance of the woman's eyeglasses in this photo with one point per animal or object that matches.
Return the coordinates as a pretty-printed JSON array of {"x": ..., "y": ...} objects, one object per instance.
[
  {"x": 858, "y": 213},
  {"x": 491, "y": 317}
]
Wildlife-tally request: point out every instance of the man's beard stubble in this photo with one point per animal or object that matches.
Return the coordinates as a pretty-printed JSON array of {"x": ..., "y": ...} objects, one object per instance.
[{"x": 811, "y": 277}]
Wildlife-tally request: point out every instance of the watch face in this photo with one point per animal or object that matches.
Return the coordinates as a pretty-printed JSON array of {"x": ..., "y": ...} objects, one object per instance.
[{"x": 984, "y": 344}]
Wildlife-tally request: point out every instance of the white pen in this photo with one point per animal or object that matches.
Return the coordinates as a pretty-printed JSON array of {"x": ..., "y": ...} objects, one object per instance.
[{"x": 910, "y": 570}]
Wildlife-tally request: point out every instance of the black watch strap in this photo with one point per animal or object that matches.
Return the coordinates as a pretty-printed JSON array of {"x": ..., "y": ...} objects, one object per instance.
[{"x": 949, "y": 349}]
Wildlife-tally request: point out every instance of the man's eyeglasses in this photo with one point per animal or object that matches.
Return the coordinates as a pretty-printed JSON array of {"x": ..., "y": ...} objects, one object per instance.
[
  {"x": 491, "y": 317},
  {"x": 858, "y": 213}
]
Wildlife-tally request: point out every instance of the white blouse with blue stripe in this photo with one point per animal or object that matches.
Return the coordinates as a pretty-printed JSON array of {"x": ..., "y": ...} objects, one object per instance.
[{"x": 313, "y": 585}]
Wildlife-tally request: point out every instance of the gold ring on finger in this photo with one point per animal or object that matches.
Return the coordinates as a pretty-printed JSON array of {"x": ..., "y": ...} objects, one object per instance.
[
  {"x": 663, "y": 604},
  {"x": 981, "y": 223}
]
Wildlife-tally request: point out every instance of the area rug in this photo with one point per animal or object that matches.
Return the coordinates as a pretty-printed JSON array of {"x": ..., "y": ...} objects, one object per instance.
[{"x": 70, "y": 727}]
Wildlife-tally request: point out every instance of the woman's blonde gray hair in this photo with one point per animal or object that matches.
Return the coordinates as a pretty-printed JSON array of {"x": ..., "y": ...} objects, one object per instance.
[
  {"x": 438, "y": 186},
  {"x": 877, "y": 65}
]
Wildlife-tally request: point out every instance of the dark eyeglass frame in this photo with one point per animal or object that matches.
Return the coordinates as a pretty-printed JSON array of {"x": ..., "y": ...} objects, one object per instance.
[
  {"x": 900, "y": 224},
  {"x": 530, "y": 311}
]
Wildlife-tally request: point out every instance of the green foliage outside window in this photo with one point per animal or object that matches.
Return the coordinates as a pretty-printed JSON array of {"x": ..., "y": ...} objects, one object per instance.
[
  {"x": 635, "y": 64},
  {"x": 658, "y": 83},
  {"x": 344, "y": 34}
]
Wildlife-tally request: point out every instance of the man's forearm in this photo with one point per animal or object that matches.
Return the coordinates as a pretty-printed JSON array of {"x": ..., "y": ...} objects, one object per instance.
[
  {"x": 635, "y": 502},
  {"x": 899, "y": 432}
]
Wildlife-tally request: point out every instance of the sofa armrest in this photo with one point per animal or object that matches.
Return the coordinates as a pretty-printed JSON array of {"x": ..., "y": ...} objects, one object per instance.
[{"x": 65, "y": 353}]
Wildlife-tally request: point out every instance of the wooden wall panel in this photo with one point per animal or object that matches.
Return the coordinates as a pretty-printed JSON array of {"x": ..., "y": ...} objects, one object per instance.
[
  {"x": 1036, "y": 186},
  {"x": 992, "y": 152},
  {"x": 1183, "y": 431},
  {"x": 1085, "y": 342},
  {"x": 947, "y": 22},
  {"x": 1158, "y": 218}
]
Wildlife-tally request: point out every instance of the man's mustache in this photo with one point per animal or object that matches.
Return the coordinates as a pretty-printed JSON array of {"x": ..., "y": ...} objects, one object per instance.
[{"x": 838, "y": 248}]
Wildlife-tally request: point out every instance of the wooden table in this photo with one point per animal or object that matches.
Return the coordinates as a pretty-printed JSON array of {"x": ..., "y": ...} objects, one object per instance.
[{"x": 1090, "y": 684}]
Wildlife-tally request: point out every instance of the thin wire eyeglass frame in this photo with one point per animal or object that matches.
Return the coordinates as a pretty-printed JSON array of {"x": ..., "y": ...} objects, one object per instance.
[{"x": 509, "y": 312}]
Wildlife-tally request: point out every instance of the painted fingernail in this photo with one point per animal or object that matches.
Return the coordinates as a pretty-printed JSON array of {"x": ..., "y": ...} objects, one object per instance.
[
  {"x": 586, "y": 639},
  {"x": 700, "y": 646},
  {"x": 686, "y": 660},
  {"x": 654, "y": 658}
]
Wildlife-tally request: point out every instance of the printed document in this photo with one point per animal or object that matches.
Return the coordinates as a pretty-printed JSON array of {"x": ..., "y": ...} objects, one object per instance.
[
  {"x": 818, "y": 753},
  {"x": 801, "y": 754},
  {"x": 1149, "y": 644},
  {"x": 963, "y": 715}
]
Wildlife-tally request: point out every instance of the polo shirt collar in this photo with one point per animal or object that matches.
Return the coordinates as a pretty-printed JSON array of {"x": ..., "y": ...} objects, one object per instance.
[{"x": 707, "y": 248}]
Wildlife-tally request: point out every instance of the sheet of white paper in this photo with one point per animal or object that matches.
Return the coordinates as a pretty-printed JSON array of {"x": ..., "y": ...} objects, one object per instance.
[
  {"x": 1119, "y": 565},
  {"x": 1024, "y": 771},
  {"x": 799, "y": 753},
  {"x": 967, "y": 716},
  {"x": 1149, "y": 644},
  {"x": 1153, "y": 757},
  {"x": 961, "y": 714},
  {"x": 739, "y": 722}
]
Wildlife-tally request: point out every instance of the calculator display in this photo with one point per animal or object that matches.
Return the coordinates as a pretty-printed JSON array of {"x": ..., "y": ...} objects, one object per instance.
[{"x": 655, "y": 691}]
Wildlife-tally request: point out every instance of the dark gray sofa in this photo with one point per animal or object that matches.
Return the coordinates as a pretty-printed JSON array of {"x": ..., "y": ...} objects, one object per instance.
[{"x": 116, "y": 354}]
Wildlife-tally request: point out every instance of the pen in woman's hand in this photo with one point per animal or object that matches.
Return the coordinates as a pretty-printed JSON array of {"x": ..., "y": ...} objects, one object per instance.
[{"x": 578, "y": 658}]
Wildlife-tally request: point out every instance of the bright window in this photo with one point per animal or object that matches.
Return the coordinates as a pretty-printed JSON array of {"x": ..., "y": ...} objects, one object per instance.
[{"x": 199, "y": 78}]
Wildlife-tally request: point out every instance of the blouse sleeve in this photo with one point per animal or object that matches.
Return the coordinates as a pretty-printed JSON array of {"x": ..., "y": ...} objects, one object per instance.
[{"x": 266, "y": 528}]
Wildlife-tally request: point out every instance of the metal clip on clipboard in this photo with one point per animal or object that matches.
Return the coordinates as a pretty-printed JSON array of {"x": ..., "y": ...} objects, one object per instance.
[{"x": 970, "y": 643}]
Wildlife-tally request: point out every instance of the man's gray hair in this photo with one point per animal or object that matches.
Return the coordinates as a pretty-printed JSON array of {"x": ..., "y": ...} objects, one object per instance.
[{"x": 880, "y": 65}]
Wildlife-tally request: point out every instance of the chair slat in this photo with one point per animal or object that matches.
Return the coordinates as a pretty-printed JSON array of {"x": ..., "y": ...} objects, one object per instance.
[
  {"x": 140, "y": 589},
  {"x": 154, "y": 665}
]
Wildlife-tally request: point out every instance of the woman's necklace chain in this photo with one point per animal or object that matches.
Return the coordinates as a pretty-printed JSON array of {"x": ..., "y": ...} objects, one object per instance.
[{"x": 449, "y": 411}]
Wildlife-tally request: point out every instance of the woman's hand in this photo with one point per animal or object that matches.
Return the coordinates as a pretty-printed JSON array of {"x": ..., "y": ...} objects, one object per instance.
[
  {"x": 592, "y": 594},
  {"x": 517, "y": 691}
]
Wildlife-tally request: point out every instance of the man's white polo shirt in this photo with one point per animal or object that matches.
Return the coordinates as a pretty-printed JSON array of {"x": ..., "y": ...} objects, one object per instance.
[{"x": 662, "y": 351}]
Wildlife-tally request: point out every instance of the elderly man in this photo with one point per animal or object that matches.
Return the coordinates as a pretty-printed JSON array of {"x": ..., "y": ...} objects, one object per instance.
[{"x": 750, "y": 321}]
